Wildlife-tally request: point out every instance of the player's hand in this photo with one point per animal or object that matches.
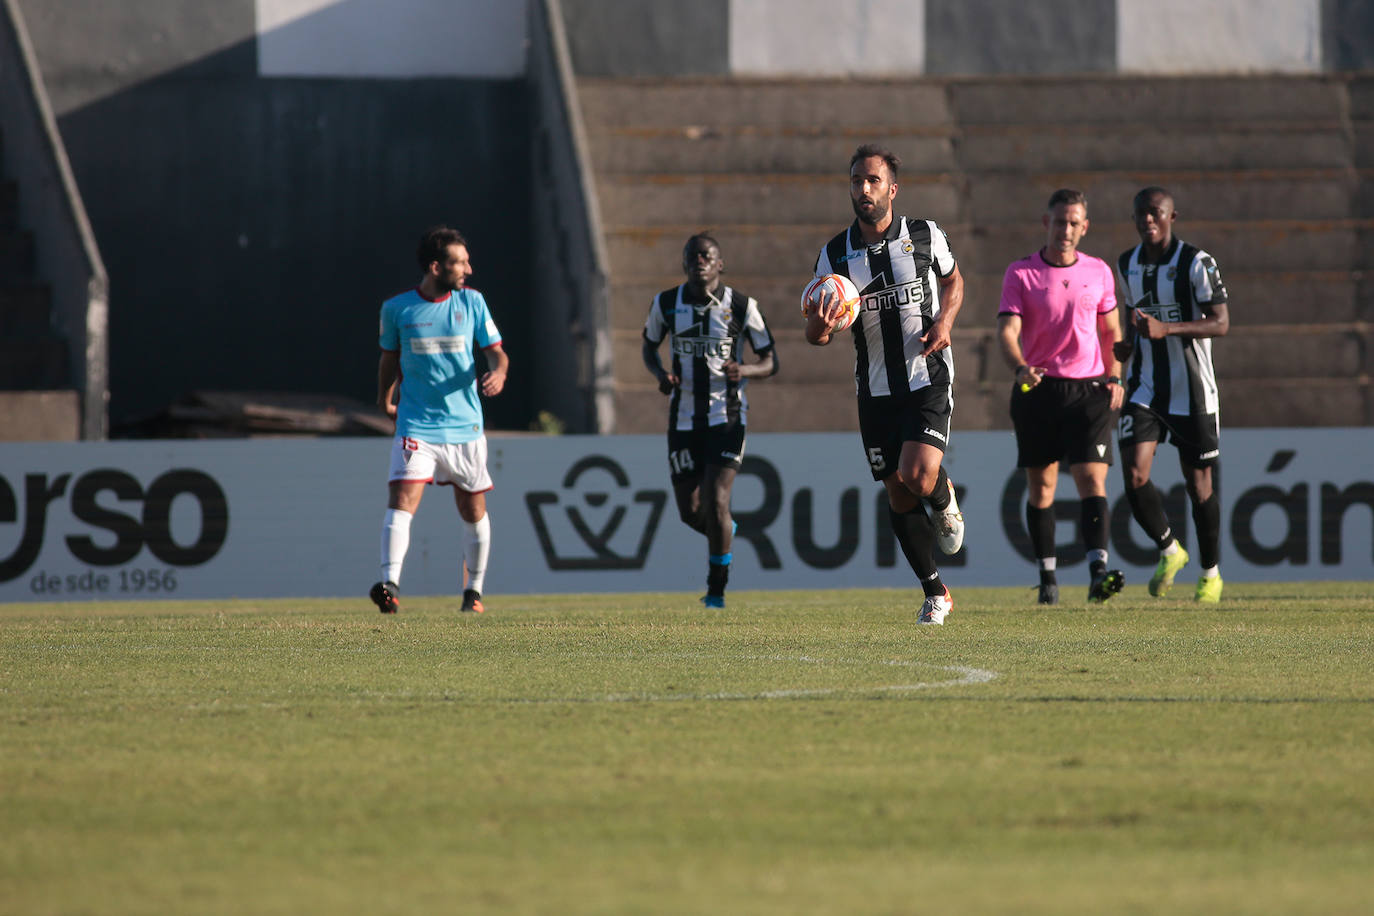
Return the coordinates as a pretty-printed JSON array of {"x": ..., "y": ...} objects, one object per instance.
[
  {"x": 935, "y": 339},
  {"x": 1122, "y": 350},
  {"x": 731, "y": 370},
  {"x": 1027, "y": 377},
  {"x": 493, "y": 382},
  {"x": 1150, "y": 327},
  {"x": 389, "y": 409},
  {"x": 667, "y": 382},
  {"x": 829, "y": 309},
  {"x": 1116, "y": 394}
]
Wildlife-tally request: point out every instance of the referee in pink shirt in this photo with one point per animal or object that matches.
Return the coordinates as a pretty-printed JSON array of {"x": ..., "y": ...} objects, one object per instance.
[{"x": 1056, "y": 323}]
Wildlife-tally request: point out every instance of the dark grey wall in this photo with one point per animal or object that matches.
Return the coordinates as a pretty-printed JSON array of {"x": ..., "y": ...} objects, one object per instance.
[
  {"x": 1079, "y": 36},
  {"x": 638, "y": 38},
  {"x": 1348, "y": 34},
  {"x": 251, "y": 227}
]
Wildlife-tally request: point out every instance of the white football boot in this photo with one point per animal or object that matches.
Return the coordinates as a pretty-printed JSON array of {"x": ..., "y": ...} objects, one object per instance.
[
  {"x": 949, "y": 525},
  {"x": 936, "y": 608}
]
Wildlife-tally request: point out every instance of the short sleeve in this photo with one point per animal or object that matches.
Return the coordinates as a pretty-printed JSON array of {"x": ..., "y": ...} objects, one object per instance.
[
  {"x": 485, "y": 332},
  {"x": 1108, "y": 303},
  {"x": 388, "y": 337},
  {"x": 760, "y": 338},
  {"x": 655, "y": 328},
  {"x": 1208, "y": 287},
  {"x": 1011, "y": 291},
  {"x": 940, "y": 251}
]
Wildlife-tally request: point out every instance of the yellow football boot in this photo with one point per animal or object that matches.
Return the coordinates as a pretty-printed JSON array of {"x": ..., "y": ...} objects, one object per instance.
[{"x": 1166, "y": 570}]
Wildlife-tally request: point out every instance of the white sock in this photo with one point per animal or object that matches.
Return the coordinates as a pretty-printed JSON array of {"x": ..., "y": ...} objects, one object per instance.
[
  {"x": 1049, "y": 563},
  {"x": 395, "y": 543},
  {"x": 476, "y": 546},
  {"x": 1096, "y": 555},
  {"x": 1173, "y": 548},
  {"x": 1211, "y": 572}
]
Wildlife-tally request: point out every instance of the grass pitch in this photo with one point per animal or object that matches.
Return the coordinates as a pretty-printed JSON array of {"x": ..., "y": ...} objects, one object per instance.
[{"x": 801, "y": 752}]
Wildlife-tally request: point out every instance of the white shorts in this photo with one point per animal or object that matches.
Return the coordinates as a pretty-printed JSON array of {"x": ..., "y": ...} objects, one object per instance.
[{"x": 462, "y": 465}]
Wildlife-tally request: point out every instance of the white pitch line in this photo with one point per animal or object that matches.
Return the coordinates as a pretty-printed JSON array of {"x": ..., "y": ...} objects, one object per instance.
[{"x": 967, "y": 675}]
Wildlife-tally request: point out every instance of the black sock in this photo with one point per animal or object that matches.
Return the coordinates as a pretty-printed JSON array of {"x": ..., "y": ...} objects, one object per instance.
[
  {"x": 1040, "y": 526},
  {"x": 716, "y": 577},
  {"x": 1207, "y": 518},
  {"x": 1148, "y": 510},
  {"x": 939, "y": 497},
  {"x": 1093, "y": 522},
  {"x": 917, "y": 539}
]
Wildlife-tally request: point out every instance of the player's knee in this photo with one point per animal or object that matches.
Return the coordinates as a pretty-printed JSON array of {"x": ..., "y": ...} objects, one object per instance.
[
  {"x": 921, "y": 481},
  {"x": 1135, "y": 478}
]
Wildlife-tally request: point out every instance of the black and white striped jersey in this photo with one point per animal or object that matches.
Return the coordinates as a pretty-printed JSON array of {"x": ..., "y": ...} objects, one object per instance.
[
  {"x": 898, "y": 279},
  {"x": 1174, "y": 375},
  {"x": 705, "y": 336}
]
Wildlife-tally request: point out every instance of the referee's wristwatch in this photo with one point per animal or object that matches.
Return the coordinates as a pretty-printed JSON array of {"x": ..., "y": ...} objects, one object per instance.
[{"x": 1113, "y": 380}]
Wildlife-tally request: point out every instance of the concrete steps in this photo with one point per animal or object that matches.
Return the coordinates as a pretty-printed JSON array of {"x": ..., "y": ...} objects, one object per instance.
[{"x": 1274, "y": 176}]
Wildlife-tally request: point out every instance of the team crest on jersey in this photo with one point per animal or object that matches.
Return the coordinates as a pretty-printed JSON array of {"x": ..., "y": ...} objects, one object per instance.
[
  {"x": 907, "y": 247},
  {"x": 1066, "y": 283},
  {"x": 1173, "y": 273}
]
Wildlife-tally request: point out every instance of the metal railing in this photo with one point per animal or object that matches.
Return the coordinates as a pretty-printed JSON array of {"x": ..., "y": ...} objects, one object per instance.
[
  {"x": 50, "y": 207},
  {"x": 571, "y": 280}
]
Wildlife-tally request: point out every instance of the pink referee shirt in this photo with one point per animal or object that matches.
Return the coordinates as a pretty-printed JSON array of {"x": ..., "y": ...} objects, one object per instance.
[{"x": 1059, "y": 308}]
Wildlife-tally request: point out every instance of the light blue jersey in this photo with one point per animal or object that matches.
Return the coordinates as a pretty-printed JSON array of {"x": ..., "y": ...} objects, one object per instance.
[{"x": 438, "y": 374}]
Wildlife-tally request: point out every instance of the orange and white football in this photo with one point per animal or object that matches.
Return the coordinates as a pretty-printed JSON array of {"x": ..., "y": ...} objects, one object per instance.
[{"x": 821, "y": 288}]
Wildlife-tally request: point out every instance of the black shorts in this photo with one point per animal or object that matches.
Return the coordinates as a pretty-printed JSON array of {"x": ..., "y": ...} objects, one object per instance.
[
  {"x": 1197, "y": 436},
  {"x": 691, "y": 450},
  {"x": 886, "y": 423},
  {"x": 1062, "y": 419}
]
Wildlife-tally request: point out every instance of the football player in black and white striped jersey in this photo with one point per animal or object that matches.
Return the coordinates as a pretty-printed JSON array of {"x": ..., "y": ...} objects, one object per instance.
[
  {"x": 708, "y": 321},
  {"x": 1176, "y": 304},
  {"x": 911, "y": 291}
]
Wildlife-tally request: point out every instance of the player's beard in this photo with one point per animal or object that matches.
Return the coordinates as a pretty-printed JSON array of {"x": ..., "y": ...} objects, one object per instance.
[{"x": 873, "y": 217}]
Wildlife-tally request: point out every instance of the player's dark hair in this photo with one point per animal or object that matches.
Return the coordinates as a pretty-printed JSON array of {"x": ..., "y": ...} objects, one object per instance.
[
  {"x": 1144, "y": 193},
  {"x": 434, "y": 244},
  {"x": 1067, "y": 196},
  {"x": 699, "y": 237},
  {"x": 869, "y": 150}
]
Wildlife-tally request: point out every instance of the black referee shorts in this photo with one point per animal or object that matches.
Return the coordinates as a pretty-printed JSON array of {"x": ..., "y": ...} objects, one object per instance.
[{"x": 1062, "y": 419}]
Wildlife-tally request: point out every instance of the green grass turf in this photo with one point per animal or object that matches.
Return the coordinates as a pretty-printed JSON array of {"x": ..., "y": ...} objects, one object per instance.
[{"x": 801, "y": 752}]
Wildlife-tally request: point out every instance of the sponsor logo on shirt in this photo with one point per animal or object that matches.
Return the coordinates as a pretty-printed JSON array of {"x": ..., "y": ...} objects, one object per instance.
[
  {"x": 720, "y": 348},
  {"x": 908, "y": 295},
  {"x": 431, "y": 345}
]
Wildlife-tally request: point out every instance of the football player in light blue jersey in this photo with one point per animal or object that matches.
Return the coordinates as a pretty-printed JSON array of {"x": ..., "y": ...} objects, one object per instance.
[{"x": 427, "y": 339}]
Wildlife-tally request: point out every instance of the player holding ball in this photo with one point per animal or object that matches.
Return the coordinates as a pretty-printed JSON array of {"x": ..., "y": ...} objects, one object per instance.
[{"x": 911, "y": 291}]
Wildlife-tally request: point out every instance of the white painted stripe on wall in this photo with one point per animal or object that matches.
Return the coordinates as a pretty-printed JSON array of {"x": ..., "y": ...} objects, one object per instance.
[
  {"x": 391, "y": 38},
  {"x": 1220, "y": 36},
  {"x": 827, "y": 37}
]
